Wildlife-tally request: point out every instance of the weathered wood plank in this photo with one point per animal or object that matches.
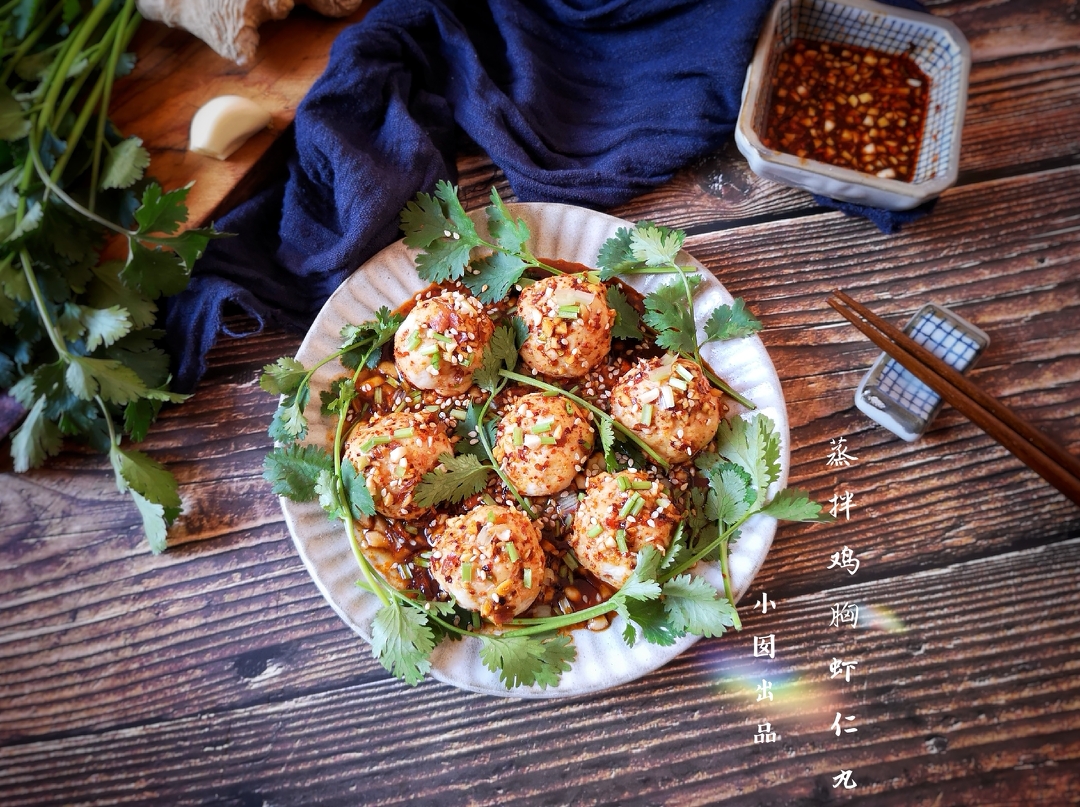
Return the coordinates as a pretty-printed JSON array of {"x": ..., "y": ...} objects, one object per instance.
[{"x": 964, "y": 674}]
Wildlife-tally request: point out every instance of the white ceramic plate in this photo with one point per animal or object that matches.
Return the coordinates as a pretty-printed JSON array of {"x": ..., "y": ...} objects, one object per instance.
[{"x": 389, "y": 279}]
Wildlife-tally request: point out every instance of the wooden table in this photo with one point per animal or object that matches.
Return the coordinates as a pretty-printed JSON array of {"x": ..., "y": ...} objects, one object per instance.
[{"x": 217, "y": 674}]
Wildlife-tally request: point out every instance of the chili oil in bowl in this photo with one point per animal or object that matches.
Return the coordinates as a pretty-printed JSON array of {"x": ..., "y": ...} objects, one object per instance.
[{"x": 856, "y": 100}]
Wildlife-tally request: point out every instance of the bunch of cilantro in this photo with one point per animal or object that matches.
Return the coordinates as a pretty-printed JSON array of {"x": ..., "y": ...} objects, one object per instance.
[
  {"x": 78, "y": 344},
  {"x": 661, "y": 601}
]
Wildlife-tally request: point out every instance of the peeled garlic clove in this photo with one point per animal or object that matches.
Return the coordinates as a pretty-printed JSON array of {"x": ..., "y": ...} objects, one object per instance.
[{"x": 224, "y": 124}]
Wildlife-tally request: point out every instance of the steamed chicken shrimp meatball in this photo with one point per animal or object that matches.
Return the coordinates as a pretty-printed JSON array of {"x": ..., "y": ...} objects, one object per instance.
[
  {"x": 620, "y": 515},
  {"x": 669, "y": 403},
  {"x": 441, "y": 343},
  {"x": 542, "y": 442},
  {"x": 569, "y": 324},
  {"x": 489, "y": 560},
  {"x": 393, "y": 452}
]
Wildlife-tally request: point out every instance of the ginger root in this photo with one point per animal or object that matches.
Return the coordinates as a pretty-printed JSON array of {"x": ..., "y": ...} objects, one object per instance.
[{"x": 230, "y": 27}]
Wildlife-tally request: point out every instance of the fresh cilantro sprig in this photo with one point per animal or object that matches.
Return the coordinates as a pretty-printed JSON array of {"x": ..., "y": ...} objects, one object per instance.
[
  {"x": 440, "y": 228},
  {"x": 669, "y": 310},
  {"x": 739, "y": 473},
  {"x": 78, "y": 346}
]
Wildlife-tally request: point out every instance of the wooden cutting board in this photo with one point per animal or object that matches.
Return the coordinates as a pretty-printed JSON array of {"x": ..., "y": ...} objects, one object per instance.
[{"x": 176, "y": 73}]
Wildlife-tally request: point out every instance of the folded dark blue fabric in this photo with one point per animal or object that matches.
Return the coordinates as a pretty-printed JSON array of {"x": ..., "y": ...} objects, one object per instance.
[{"x": 589, "y": 102}]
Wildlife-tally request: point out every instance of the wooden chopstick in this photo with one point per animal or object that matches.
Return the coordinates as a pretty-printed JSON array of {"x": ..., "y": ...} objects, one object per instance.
[{"x": 1048, "y": 459}]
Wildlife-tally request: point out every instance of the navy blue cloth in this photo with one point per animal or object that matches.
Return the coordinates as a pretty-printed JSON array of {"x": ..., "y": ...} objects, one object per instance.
[{"x": 589, "y": 102}]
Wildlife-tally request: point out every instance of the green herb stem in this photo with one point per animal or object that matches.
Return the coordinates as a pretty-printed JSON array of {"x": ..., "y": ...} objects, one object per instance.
[
  {"x": 77, "y": 82},
  {"x": 65, "y": 60},
  {"x": 29, "y": 41},
  {"x": 524, "y": 505},
  {"x": 707, "y": 550},
  {"x": 725, "y": 572},
  {"x": 374, "y": 580},
  {"x": 39, "y": 300},
  {"x": 628, "y": 433}
]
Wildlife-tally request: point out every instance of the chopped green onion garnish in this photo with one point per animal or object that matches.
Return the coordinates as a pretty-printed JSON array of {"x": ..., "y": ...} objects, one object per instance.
[
  {"x": 416, "y": 395},
  {"x": 476, "y": 619},
  {"x": 436, "y": 359},
  {"x": 638, "y": 504},
  {"x": 668, "y": 396},
  {"x": 458, "y": 414},
  {"x": 465, "y": 360},
  {"x": 569, "y": 311},
  {"x": 414, "y": 341},
  {"x": 526, "y": 578},
  {"x": 487, "y": 499},
  {"x": 422, "y": 560},
  {"x": 550, "y": 393},
  {"x": 511, "y": 550},
  {"x": 404, "y": 434},
  {"x": 620, "y": 540},
  {"x": 540, "y": 428},
  {"x": 646, "y": 414},
  {"x": 431, "y": 408},
  {"x": 518, "y": 436},
  {"x": 371, "y": 442},
  {"x": 594, "y": 530},
  {"x": 400, "y": 470},
  {"x": 569, "y": 408},
  {"x": 570, "y": 561},
  {"x": 640, "y": 484},
  {"x": 393, "y": 382},
  {"x": 624, "y": 482},
  {"x": 491, "y": 517},
  {"x": 378, "y": 395},
  {"x": 466, "y": 572},
  {"x": 429, "y": 350},
  {"x": 677, "y": 383},
  {"x": 630, "y": 504},
  {"x": 547, "y": 440},
  {"x": 592, "y": 277},
  {"x": 686, "y": 374},
  {"x": 440, "y": 337}
]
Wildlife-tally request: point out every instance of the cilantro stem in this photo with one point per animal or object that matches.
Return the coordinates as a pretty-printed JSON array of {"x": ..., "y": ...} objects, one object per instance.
[
  {"x": 725, "y": 572},
  {"x": 30, "y": 40},
  {"x": 546, "y": 624},
  {"x": 110, "y": 73},
  {"x": 52, "y": 186},
  {"x": 707, "y": 550},
  {"x": 628, "y": 433},
  {"x": 374, "y": 580},
  {"x": 39, "y": 300},
  {"x": 491, "y": 455}
]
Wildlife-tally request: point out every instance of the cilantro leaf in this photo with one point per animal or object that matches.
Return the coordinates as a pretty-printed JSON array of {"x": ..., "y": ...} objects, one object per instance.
[
  {"x": 329, "y": 493},
  {"x": 156, "y": 519},
  {"x": 441, "y": 229},
  {"x": 627, "y": 320},
  {"x": 652, "y": 619},
  {"x": 793, "y": 504},
  {"x": 654, "y": 245},
  {"x": 528, "y": 660},
  {"x": 755, "y": 445},
  {"x": 283, "y": 377},
  {"x": 161, "y": 212},
  {"x": 293, "y": 470},
  {"x": 667, "y": 313},
  {"x": 289, "y": 422},
  {"x": 356, "y": 491},
  {"x": 731, "y": 493},
  {"x": 501, "y": 352},
  {"x": 14, "y": 124},
  {"x": 696, "y": 607},
  {"x": 641, "y": 585},
  {"x": 606, "y": 428},
  {"x": 731, "y": 322},
  {"x": 124, "y": 164},
  {"x": 510, "y": 234},
  {"x": 104, "y": 325},
  {"x": 155, "y": 272},
  {"x": 113, "y": 381},
  {"x": 138, "y": 415},
  {"x": 402, "y": 641},
  {"x": 616, "y": 255},
  {"x": 491, "y": 277},
  {"x": 457, "y": 479},
  {"x": 107, "y": 290},
  {"x": 37, "y": 438},
  {"x": 469, "y": 429},
  {"x": 146, "y": 476}
]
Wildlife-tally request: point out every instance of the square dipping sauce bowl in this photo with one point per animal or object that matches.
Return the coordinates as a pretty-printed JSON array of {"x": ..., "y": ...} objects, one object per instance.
[{"x": 935, "y": 45}]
